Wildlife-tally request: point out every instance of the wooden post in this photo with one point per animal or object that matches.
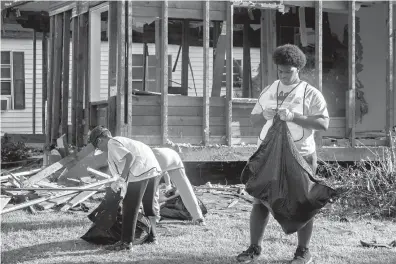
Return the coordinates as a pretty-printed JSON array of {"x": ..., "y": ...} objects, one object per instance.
[
  {"x": 263, "y": 51},
  {"x": 65, "y": 72},
  {"x": 158, "y": 54},
  {"x": 49, "y": 81},
  {"x": 271, "y": 44},
  {"x": 82, "y": 40},
  {"x": 164, "y": 71},
  {"x": 206, "y": 102},
  {"x": 75, "y": 66},
  {"x": 229, "y": 70},
  {"x": 390, "y": 77},
  {"x": 318, "y": 56},
  {"x": 44, "y": 58},
  {"x": 112, "y": 79},
  {"x": 129, "y": 89},
  {"x": 87, "y": 91},
  {"x": 121, "y": 69},
  {"x": 56, "y": 82},
  {"x": 246, "y": 92},
  {"x": 216, "y": 34},
  {"x": 351, "y": 94},
  {"x": 34, "y": 82},
  {"x": 185, "y": 57}
]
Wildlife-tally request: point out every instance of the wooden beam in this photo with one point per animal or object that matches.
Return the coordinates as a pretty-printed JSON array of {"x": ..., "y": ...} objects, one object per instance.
[
  {"x": 82, "y": 39},
  {"x": 75, "y": 66},
  {"x": 65, "y": 73},
  {"x": 263, "y": 51},
  {"x": 34, "y": 82},
  {"x": 130, "y": 88},
  {"x": 121, "y": 121},
  {"x": 94, "y": 53},
  {"x": 112, "y": 78},
  {"x": 87, "y": 91},
  {"x": 247, "y": 91},
  {"x": 390, "y": 78},
  {"x": 44, "y": 65},
  {"x": 49, "y": 80},
  {"x": 185, "y": 57},
  {"x": 351, "y": 94},
  {"x": 229, "y": 70},
  {"x": 56, "y": 82},
  {"x": 271, "y": 44},
  {"x": 206, "y": 39},
  {"x": 164, "y": 72},
  {"x": 318, "y": 56}
]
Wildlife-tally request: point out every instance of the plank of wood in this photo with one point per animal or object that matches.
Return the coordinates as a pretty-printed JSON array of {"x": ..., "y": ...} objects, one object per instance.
[
  {"x": 179, "y": 131},
  {"x": 351, "y": 103},
  {"x": 218, "y": 67},
  {"x": 112, "y": 79},
  {"x": 75, "y": 65},
  {"x": 263, "y": 51},
  {"x": 81, "y": 197},
  {"x": 318, "y": 57},
  {"x": 389, "y": 78},
  {"x": 164, "y": 71},
  {"x": 180, "y": 121},
  {"x": 229, "y": 70},
  {"x": 185, "y": 56},
  {"x": 57, "y": 78},
  {"x": 246, "y": 92},
  {"x": 49, "y": 80},
  {"x": 65, "y": 73},
  {"x": 44, "y": 65},
  {"x": 98, "y": 173},
  {"x": 34, "y": 82},
  {"x": 177, "y": 100},
  {"x": 63, "y": 146},
  {"x": 129, "y": 73},
  {"x": 206, "y": 102},
  {"x": 66, "y": 162},
  {"x": 271, "y": 44},
  {"x": 120, "y": 101},
  {"x": 85, "y": 74}
]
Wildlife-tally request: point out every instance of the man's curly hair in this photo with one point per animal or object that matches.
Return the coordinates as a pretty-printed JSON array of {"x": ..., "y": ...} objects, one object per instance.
[{"x": 290, "y": 55}]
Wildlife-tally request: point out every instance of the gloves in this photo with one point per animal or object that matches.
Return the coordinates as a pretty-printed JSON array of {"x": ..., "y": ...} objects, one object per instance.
[
  {"x": 269, "y": 113},
  {"x": 286, "y": 115},
  {"x": 118, "y": 185}
]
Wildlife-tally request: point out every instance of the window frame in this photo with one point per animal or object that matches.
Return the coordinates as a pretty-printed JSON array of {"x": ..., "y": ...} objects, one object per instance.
[{"x": 10, "y": 97}]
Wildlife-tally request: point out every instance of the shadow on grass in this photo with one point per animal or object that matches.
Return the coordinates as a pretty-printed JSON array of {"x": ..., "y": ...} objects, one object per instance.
[{"x": 31, "y": 226}]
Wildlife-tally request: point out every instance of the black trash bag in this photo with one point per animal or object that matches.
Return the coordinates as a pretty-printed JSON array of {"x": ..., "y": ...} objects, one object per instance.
[
  {"x": 175, "y": 209},
  {"x": 277, "y": 174},
  {"x": 107, "y": 222}
]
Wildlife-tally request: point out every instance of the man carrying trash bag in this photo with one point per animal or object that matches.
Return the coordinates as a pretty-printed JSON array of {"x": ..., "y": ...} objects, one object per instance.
[{"x": 280, "y": 174}]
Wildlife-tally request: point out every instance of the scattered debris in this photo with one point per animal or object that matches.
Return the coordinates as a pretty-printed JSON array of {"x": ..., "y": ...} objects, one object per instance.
[{"x": 374, "y": 244}]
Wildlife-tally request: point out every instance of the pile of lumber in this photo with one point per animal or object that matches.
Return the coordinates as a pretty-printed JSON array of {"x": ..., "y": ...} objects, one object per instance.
[{"x": 64, "y": 184}]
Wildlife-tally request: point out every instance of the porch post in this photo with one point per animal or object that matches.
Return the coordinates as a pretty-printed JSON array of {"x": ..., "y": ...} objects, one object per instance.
[
  {"x": 318, "y": 56},
  {"x": 129, "y": 76},
  {"x": 229, "y": 70},
  {"x": 65, "y": 72},
  {"x": 121, "y": 104},
  {"x": 390, "y": 78},
  {"x": 34, "y": 82},
  {"x": 164, "y": 71},
  {"x": 351, "y": 94},
  {"x": 206, "y": 99}
]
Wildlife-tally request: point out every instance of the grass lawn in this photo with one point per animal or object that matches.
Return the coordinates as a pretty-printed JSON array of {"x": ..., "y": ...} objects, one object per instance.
[{"x": 53, "y": 237}]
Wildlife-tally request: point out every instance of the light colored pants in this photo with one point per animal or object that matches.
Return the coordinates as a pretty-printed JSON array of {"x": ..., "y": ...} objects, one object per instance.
[{"x": 183, "y": 185}]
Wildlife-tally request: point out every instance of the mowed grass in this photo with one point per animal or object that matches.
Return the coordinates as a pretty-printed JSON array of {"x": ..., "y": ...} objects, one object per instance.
[{"x": 54, "y": 237}]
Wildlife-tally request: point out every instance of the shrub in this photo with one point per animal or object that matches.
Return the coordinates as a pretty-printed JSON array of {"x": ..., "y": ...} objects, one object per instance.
[{"x": 11, "y": 151}]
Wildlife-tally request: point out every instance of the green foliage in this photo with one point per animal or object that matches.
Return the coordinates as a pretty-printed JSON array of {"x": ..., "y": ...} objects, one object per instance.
[{"x": 11, "y": 151}]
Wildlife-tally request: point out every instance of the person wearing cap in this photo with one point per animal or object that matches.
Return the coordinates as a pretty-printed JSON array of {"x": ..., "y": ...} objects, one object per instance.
[
  {"x": 138, "y": 171},
  {"x": 173, "y": 171}
]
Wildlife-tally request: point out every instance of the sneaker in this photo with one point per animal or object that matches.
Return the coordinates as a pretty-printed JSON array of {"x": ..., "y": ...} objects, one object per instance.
[
  {"x": 199, "y": 222},
  {"x": 249, "y": 255},
  {"x": 302, "y": 256},
  {"x": 120, "y": 245},
  {"x": 152, "y": 240}
]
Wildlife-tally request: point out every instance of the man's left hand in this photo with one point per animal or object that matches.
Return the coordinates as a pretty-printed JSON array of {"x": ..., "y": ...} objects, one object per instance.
[{"x": 286, "y": 115}]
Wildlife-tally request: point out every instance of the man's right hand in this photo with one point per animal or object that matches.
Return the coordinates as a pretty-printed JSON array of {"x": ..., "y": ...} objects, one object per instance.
[{"x": 269, "y": 113}]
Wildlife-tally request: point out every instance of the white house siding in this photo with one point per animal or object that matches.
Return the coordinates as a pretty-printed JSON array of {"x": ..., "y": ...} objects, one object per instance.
[{"x": 20, "y": 121}]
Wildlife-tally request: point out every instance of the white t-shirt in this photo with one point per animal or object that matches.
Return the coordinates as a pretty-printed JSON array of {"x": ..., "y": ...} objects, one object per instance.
[
  {"x": 144, "y": 164},
  {"x": 306, "y": 99},
  {"x": 168, "y": 159}
]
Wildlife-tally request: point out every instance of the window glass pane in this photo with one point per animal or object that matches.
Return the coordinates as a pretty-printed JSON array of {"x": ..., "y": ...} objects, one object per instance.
[
  {"x": 5, "y": 72},
  {"x": 5, "y": 57},
  {"x": 5, "y": 88}
]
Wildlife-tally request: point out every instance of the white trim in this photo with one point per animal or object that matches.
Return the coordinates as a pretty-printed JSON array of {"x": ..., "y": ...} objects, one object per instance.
[{"x": 100, "y": 8}]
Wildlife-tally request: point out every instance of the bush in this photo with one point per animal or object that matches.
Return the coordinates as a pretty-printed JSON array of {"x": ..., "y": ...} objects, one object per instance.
[
  {"x": 11, "y": 151},
  {"x": 371, "y": 186}
]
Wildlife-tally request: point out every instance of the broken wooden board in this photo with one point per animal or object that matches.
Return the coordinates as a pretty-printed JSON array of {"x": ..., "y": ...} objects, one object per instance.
[
  {"x": 80, "y": 168},
  {"x": 66, "y": 162},
  {"x": 78, "y": 199},
  {"x": 4, "y": 200}
]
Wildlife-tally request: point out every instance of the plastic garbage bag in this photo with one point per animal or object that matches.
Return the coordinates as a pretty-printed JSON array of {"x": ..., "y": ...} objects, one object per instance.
[{"x": 278, "y": 175}]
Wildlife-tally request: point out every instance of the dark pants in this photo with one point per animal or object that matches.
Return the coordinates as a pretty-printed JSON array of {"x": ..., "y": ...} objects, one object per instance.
[{"x": 137, "y": 193}]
